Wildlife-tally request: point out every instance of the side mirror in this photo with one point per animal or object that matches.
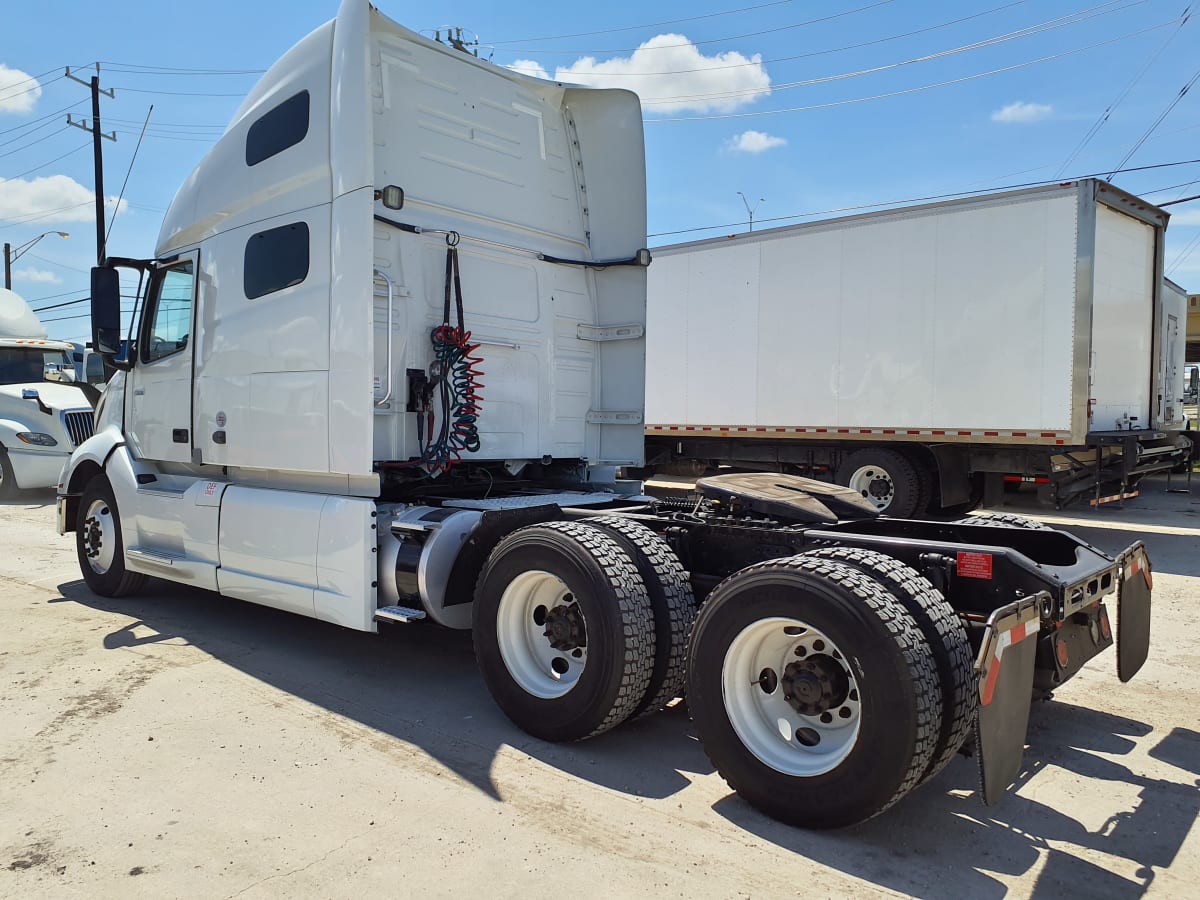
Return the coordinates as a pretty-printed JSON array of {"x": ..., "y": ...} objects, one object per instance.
[{"x": 106, "y": 310}]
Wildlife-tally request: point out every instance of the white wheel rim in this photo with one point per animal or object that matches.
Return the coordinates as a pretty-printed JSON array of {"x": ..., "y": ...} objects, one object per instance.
[
  {"x": 875, "y": 484},
  {"x": 769, "y": 726},
  {"x": 99, "y": 536},
  {"x": 533, "y": 604}
]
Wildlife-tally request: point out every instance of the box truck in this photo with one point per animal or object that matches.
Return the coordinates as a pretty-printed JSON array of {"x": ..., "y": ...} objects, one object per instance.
[
  {"x": 44, "y": 413},
  {"x": 925, "y": 353},
  {"x": 302, "y": 420}
]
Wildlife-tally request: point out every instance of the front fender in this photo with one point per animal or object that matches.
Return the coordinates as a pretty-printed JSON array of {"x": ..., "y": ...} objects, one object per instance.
[{"x": 89, "y": 457}]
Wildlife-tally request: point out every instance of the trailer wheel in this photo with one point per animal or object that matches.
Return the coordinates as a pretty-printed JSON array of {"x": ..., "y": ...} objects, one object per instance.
[
  {"x": 886, "y": 478},
  {"x": 563, "y": 630},
  {"x": 8, "y": 483},
  {"x": 813, "y": 690},
  {"x": 943, "y": 631},
  {"x": 671, "y": 601},
  {"x": 1003, "y": 520},
  {"x": 99, "y": 543}
]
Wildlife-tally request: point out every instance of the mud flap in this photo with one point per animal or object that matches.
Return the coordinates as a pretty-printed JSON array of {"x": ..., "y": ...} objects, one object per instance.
[
  {"x": 1005, "y": 670},
  {"x": 1133, "y": 611}
]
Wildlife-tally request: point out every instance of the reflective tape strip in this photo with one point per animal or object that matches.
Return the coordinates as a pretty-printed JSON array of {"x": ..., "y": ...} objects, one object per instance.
[{"x": 1007, "y": 639}]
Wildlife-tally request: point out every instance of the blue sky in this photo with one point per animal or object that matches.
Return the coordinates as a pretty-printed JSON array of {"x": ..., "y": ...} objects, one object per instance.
[{"x": 811, "y": 106}]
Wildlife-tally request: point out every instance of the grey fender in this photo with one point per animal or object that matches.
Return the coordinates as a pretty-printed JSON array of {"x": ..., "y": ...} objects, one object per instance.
[{"x": 103, "y": 453}]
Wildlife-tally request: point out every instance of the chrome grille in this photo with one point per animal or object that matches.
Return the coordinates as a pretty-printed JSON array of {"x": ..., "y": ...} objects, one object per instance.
[{"x": 80, "y": 426}]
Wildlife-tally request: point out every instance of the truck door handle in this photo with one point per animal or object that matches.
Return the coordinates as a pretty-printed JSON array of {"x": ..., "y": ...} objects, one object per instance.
[
  {"x": 139, "y": 392},
  {"x": 179, "y": 435}
]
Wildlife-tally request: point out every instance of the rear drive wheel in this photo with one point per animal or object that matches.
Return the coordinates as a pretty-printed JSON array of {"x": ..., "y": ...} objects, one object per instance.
[
  {"x": 886, "y": 478},
  {"x": 813, "y": 690},
  {"x": 100, "y": 545},
  {"x": 671, "y": 600},
  {"x": 942, "y": 629},
  {"x": 8, "y": 484},
  {"x": 563, "y": 630},
  {"x": 1003, "y": 520}
]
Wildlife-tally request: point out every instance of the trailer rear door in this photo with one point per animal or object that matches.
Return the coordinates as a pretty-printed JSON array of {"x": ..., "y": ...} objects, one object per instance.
[{"x": 1122, "y": 321}]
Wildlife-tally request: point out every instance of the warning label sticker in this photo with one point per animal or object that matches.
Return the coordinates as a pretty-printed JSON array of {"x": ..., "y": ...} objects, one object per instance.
[{"x": 975, "y": 565}]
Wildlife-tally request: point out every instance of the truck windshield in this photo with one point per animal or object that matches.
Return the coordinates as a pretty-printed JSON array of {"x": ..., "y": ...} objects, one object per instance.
[{"x": 29, "y": 365}]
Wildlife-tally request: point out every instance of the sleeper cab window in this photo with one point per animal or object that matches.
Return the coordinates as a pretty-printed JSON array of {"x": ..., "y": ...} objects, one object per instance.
[
  {"x": 171, "y": 325},
  {"x": 275, "y": 259},
  {"x": 282, "y": 127}
]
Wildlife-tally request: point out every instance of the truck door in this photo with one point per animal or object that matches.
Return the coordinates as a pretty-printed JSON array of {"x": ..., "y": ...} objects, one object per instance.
[
  {"x": 1172, "y": 390},
  {"x": 159, "y": 420}
]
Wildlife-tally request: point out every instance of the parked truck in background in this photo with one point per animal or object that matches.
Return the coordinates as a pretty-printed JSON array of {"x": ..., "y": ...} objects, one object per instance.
[
  {"x": 301, "y": 421},
  {"x": 44, "y": 414},
  {"x": 925, "y": 354}
]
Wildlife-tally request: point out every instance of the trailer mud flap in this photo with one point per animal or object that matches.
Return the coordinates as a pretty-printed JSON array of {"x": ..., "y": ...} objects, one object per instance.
[
  {"x": 1133, "y": 611},
  {"x": 1005, "y": 669}
]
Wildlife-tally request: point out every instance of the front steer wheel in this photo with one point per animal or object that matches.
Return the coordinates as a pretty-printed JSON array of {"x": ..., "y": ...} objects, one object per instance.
[
  {"x": 813, "y": 690},
  {"x": 563, "y": 630},
  {"x": 100, "y": 545}
]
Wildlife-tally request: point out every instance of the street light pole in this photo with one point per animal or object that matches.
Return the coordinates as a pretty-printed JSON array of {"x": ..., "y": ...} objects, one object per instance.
[
  {"x": 750, "y": 209},
  {"x": 12, "y": 254}
]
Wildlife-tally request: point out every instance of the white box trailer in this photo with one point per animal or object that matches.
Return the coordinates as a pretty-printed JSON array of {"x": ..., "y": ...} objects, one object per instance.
[
  {"x": 300, "y": 421},
  {"x": 913, "y": 353}
]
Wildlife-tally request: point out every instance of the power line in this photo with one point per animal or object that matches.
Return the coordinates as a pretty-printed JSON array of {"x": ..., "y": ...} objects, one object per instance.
[
  {"x": 927, "y": 199},
  {"x": 22, "y": 220},
  {"x": 44, "y": 137},
  {"x": 735, "y": 37},
  {"x": 1040, "y": 28},
  {"x": 60, "y": 305},
  {"x": 826, "y": 52},
  {"x": 912, "y": 90},
  {"x": 1183, "y": 254},
  {"x": 55, "y": 114},
  {"x": 50, "y": 163},
  {"x": 1149, "y": 131},
  {"x": 176, "y": 93},
  {"x": 728, "y": 12},
  {"x": 141, "y": 69},
  {"x": 1100, "y": 122}
]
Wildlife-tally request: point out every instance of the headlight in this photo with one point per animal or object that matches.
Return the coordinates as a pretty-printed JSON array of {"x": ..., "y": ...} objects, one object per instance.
[{"x": 37, "y": 439}]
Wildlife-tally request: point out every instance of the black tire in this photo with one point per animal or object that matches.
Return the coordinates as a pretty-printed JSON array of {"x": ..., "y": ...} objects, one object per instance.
[
  {"x": 883, "y": 651},
  {"x": 671, "y": 600},
  {"x": 1003, "y": 520},
  {"x": 890, "y": 472},
  {"x": 618, "y": 629},
  {"x": 113, "y": 579},
  {"x": 943, "y": 631},
  {"x": 8, "y": 482}
]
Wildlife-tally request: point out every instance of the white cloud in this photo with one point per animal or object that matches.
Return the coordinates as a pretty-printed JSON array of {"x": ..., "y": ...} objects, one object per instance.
[
  {"x": 529, "y": 67},
  {"x": 670, "y": 74},
  {"x": 19, "y": 91},
  {"x": 754, "y": 142},
  {"x": 37, "y": 276},
  {"x": 1022, "y": 112},
  {"x": 55, "y": 198}
]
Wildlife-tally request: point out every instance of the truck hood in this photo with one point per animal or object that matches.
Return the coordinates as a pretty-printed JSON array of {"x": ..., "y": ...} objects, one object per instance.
[{"x": 56, "y": 396}]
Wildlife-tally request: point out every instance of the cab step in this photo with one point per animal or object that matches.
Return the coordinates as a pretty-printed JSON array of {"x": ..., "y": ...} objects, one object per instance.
[{"x": 398, "y": 614}]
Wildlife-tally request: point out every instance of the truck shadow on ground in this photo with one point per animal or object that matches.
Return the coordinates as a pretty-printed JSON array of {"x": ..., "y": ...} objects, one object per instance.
[
  {"x": 943, "y": 826},
  {"x": 416, "y": 683}
]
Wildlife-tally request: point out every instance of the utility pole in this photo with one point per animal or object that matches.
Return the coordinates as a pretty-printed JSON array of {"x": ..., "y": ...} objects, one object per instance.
[{"x": 94, "y": 129}]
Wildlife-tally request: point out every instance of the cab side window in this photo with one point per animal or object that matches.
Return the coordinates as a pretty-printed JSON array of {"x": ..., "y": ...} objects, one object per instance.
[{"x": 171, "y": 320}]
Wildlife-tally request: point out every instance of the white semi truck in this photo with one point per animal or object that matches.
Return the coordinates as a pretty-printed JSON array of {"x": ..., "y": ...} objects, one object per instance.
[
  {"x": 44, "y": 414},
  {"x": 302, "y": 420},
  {"x": 927, "y": 353}
]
